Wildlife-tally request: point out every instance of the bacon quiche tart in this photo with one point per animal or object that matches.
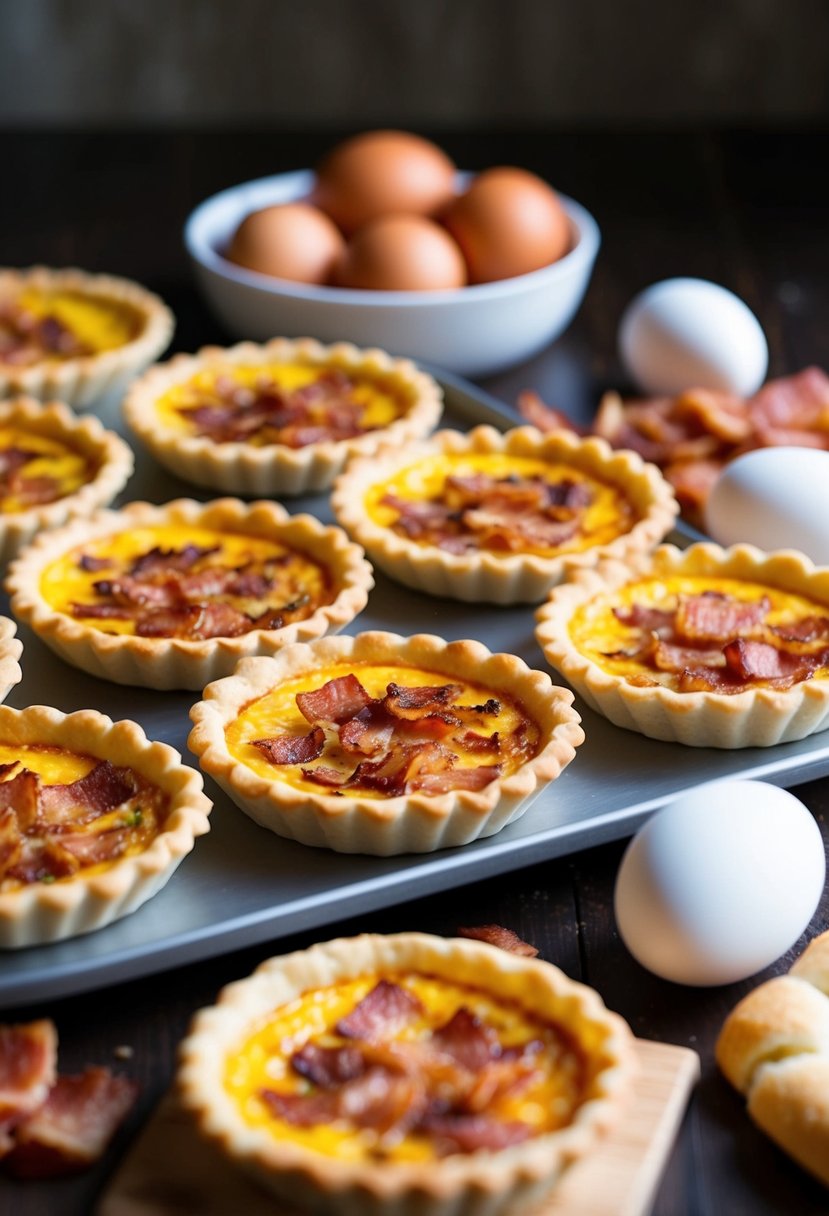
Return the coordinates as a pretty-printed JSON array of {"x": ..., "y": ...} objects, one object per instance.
[
  {"x": 493, "y": 518},
  {"x": 94, "y": 819},
  {"x": 279, "y": 418},
  {"x": 383, "y": 744},
  {"x": 173, "y": 596},
  {"x": 53, "y": 465},
  {"x": 406, "y": 1073},
  {"x": 709, "y": 647},
  {"x": 74, "y": 336}
]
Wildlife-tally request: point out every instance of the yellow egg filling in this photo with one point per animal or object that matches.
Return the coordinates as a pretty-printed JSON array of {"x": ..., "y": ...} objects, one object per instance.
[
  {"x": 380, "y": 399},
  {"x": 47, "y": 458},
  {"x": 262, "y": 1062},
  {"x": 97, "y": 323},
  {"x": 277, "y": 713},
  {"x": 298, "y": 583},
  {"x": 608, "y": 513}
]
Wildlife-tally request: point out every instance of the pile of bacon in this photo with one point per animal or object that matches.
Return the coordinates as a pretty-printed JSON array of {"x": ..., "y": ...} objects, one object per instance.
[
  {"x": 14, "y": 482},
  {"x": 324, "y": 411},
  {"x": 716, "y": 643},
  {"x": 511, "y": 514},
  {"x": 445, "y": 1086},
  {"x": 692, "y": 436},
  {"x": 49, "y": 1124},
  {"x": 49, "y": 832},
  {"x": 405, "y": 741},
  {"x": 167, "y": 598},
  {"x": 27, "y": 338}
]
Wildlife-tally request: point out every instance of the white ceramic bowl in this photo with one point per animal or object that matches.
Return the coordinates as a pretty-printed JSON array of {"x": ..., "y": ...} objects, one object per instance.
[{"x": 473, "y": 331}]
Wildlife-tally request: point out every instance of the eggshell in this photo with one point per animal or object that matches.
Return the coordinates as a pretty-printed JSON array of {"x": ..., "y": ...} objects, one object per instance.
[
  {"x": 401, "y": 253},
  {"x": 775, "y": 498},
  {"x": 383, "y": 173},
  {"x": 720, "y": 883},
  {"x": 689, "y": 333},
  {"x": 289, "y": 241},
  {"x": 509, "y": 222}
]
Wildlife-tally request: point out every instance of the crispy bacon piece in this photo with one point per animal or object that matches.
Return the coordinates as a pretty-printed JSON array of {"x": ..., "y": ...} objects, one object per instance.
[
  {"x": 28, "y": 1067},
  {"x": 337, "y": 701},
  {"x": 748, "y": 660},
  {"x": 388, "y": 1103},
  {"x": 405, "y": 766},
  {"x": 456, "y": 779},
  {"x": 292, "y": 749},
  {"x": 462, "y": 1133},
  {"x": 545, "y": 417},
  {"x": 809, "y": 629},
  {"x": 21, "y": 793},
  {"x": 667, "y": 657},
  {"x": 74, "y": 1125},
  {"x": 486, "y": 744},
  {"x": 468, "y": 1040},
  {"x": 416, "y": 702},
  {"x": 382, "y": 1013},
  {"x": 168, "y": 561},
  {"x": 102, "y": 789},
  {"x": 323, "y": 774},
  {"x": 497, "y": 935},
  {"x": 328, "y": 1066},
  {"x": 369, "y": 732},
  {"x": 716, "y": 618}
]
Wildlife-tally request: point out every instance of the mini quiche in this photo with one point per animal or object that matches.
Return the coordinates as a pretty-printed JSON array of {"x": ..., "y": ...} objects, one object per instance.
[
  {"x": 382, "y": 744},
  {"x": 709, "y": 647},
  {"x": 173, "y": 596},
  {"x": 406, "y": 1073},
  {"x": 94, "y": 819},
  {"x": 279, "y": 418},
  {"x": 493, "y": 518},
  {"x": 53, "y": 465},
  {"x": 74, "y": 336}
]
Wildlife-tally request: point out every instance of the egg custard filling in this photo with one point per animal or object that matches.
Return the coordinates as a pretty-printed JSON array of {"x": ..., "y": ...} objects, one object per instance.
[
  {"x": 696, "y": 634},
  {"x": 405, "y": 1067},
  {"x": 39, "y": 324},
  {"x": 382, "y": 730},
  {"x": 499, "y": 502},
  {"x": 292, "y": 403},
  {"x": 168, "y": 581},
  {"x": 62, "y": 812},
  {"x": 36, "y": 469}
]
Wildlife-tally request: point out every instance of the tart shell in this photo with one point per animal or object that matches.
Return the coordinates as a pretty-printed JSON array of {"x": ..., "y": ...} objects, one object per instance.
[
  {"x": 757, "y": 717},
  {"x": 501, "y": 578},
  {"x": 411, "y": 823},
  {"x": 179, "y": 662},
  {"x": 112, "y": 456},
  {"x": 243, "y": 468},
  {"x": 39, "y": 913},
  {"x": 11, "y": 649},
  {"x": 81, "y": 381},
  {"x": 477, "y": 1184}
]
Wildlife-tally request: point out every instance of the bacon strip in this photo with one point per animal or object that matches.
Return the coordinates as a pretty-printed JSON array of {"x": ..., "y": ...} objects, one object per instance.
[
  {"x": 102, "y": 789},
  {"x": 382, "y": 1013},
  {"x": 292, "y": 749},
  {"x": 28, "y": 1067},
  {"x": 337, "y": 701},
  {"x": 497, "y": 935}
]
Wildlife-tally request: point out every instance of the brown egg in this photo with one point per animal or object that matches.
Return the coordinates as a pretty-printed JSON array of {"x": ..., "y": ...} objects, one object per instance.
[
  {"x": 290, "y": 241},
  {"x": 401, "y": 253},
  {"x": 507, "y": 223},
  {"x": 381, "y": 173}
]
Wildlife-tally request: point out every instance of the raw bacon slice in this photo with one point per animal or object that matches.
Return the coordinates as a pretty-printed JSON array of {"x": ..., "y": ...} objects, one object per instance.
[
  {"x": 73, "y": 1126},
  {"x": 382, "y": 1013},
  {"x": 337, "y": 701},
  {"x": 292, "y": 749},
  {"x": 497, "y": 935}
]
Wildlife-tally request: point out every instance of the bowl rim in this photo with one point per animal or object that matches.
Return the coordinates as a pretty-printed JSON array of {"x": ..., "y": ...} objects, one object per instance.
[{"x": 202, "y": 227}]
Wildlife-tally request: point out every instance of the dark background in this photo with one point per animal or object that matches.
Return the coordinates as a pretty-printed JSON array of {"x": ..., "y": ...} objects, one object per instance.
[{"x": 438, "y": 64}]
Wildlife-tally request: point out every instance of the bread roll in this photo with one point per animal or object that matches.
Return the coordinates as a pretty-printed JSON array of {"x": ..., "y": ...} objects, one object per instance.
[{"x": 790, "y": 1102}]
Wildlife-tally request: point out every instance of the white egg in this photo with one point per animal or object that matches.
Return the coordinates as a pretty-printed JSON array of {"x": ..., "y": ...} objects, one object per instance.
[
  {"x": 775, "y": 498},
  {"x": 689, "y": 333},
  {"x": 720, "y": 883}
]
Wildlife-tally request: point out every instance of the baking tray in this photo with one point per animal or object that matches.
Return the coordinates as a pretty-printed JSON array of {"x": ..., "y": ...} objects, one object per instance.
[{"x": 243, "y": 885}]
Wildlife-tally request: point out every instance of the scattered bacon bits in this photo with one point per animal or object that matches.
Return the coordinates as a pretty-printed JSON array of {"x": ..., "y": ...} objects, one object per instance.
[
  {"x": 408, "y": 740},
  {"x": 52, "y": 1125},
  {"x": 504, "y": 514},
  {"x": 23, "y": 488},
  {"x": 497, "y": 935},
  {"x": 716, "y": 643},
  {"x": 189, "y": 593},
  {"x": 325, "y": 411},
  {"x": 692, "y": 436},
  {"x": 48, "y": 832},
  {"x": 445, "y": 1085},
  {"x": 26, "y": 338}
]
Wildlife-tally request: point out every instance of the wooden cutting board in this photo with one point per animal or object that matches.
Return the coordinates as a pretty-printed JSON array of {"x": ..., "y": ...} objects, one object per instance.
[{"x": 171, "y": 1172}]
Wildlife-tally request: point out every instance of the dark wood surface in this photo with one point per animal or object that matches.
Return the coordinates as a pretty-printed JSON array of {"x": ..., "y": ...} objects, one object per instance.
[{"x": 747, "y": 210}]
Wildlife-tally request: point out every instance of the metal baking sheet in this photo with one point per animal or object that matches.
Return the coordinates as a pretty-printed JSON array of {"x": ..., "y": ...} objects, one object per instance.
[{"x": 243, "y": 885}]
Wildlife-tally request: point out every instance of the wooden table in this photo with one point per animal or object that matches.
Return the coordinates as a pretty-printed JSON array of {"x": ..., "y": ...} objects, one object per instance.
[{"x": 747, "y": 210}]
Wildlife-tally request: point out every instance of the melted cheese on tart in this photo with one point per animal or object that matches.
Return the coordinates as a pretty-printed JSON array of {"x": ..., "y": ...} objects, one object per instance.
[
  {"x": 31, "y": 851},
  {"x": 297, "y": 579},
  {"x": 48, "y": 458},
  {"x": 607, "y": 515},
  {"x": 94, "y": 323},
  {"x": 263, "y": 1062},
  {"x": 277, "y": 713},
  {"x": 381, "y": 399},
  {"x": 599, "y": 634}
]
